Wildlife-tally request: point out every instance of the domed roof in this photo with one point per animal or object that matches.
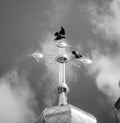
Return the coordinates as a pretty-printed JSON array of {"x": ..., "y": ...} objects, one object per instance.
[{"x": 65, "y": 114}]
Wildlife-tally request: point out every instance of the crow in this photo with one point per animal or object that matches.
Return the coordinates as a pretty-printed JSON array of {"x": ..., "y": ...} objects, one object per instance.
[
  {"x": 60, "y": 35},
  {"x": 76, "y": 54}
]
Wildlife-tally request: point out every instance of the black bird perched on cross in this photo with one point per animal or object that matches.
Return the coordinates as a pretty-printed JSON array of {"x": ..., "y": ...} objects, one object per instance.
[
  {"x": 76, "y": 54},
  {"x": 60, "y": 35}
]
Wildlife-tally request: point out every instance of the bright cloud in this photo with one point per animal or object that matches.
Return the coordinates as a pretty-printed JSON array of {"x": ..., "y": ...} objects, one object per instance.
[
  {"x": 106, "y": 69},
  {"x": 107, "y": 73},
  {"x": 16, "y": 99},
  {"x": 106, "y": 19}
]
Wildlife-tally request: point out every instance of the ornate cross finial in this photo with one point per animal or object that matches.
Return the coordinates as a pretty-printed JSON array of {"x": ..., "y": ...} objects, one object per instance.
[{"x": 62, "y": 58}]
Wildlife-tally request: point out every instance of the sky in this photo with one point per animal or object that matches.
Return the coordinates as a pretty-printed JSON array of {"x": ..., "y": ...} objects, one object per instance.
[{"x": 27, "y": 87}]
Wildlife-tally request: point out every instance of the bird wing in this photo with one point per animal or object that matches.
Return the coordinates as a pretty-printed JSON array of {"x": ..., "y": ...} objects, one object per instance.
[{"x": 62, "y": 31}]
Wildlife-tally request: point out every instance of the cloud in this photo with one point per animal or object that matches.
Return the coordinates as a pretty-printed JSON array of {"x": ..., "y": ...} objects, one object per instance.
[
  {"x": 107, "y": 73},
  {"x": 106, "y": 22},
  {"x": 16, "y": 99},
  {"x": 106, "y": 19}
]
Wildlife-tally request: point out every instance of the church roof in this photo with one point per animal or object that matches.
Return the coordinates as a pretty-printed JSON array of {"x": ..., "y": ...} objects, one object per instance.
[{"x": 65, "y": 114}]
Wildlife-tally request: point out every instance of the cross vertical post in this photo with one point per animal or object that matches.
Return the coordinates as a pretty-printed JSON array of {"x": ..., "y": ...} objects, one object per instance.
[
  {"x": 61, "y": 67},
  {"x": 62, "y": 86}
]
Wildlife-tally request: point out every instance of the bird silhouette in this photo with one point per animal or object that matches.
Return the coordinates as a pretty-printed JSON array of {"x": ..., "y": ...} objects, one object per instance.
[
  {"x": 60, "y": 35},
  {"x": 76, "y": 54}
]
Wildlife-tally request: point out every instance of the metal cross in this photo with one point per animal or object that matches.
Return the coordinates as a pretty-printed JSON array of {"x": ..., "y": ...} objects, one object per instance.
[{"x": 62, "y": 58}]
